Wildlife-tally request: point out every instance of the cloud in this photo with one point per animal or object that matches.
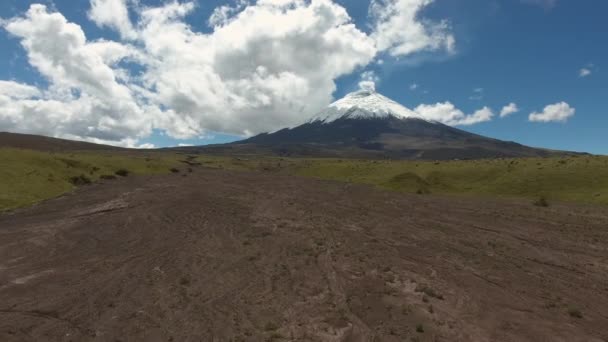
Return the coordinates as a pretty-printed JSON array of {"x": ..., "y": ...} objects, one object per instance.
[
  {"x": 509, "y": 109},
  {"x": 546, "y": 4},
  {"x": 231, "y": 81},
  {"x": 414, "y": 86},
  {"x": 448, "y": 114},
  {"x": 17, "y": 91},
  {"x": 113, "y": 14},
  {"x": 584, "y": 72},
  {"x": 84, "y": 98},
  {"x": 163, "y": 75},
  {"x": 477, "y": 94},
  {"x": 559, "y": 112},
  {"x": 398, "y": 30},
  {"x": 222, "y": 15}
]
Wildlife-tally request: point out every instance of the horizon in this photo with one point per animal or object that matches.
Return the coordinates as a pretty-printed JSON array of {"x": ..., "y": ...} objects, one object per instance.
[{"x": 152, "y": 73}]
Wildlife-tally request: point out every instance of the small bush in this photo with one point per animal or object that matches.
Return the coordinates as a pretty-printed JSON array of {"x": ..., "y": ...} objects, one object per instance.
[
  {"x": 174, "y": 170},
  {"x": 541, "y": 202},
  {"x": 71, "y": 163},
  {"x": 80, "y": 180},
  {"x": 107, "y": 177},
  {"x": 271, "y": 326},
  {"x": 429, "y": 292},
  {"x": 184, "y": 280},
  {"x": 122, "y": 172},
  {"x": 420, "y": 328},
  {"x": 275, "y": 336},
  {"x": 576, "y": 313}
]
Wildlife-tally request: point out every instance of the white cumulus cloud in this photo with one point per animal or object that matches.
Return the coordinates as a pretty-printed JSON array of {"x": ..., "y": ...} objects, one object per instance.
[
  {"x": 398, "y": 30},
  {"x": 262, "y": 66},
  {"x": 84, "y": 98},
  {"x": 559, "y": 112},
  {"x": 113, "y": 14},
  {"x": 448, "y": 114},
  {"x": 17, "y": 91},
  {"x": 509, "y": 109}
]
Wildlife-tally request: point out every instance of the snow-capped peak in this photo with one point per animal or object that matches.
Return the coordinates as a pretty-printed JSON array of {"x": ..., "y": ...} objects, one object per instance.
[{"x": 364, "y": 104}]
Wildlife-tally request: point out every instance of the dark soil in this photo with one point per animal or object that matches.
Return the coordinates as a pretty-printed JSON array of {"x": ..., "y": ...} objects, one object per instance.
[{"x": 227, "y": 256}]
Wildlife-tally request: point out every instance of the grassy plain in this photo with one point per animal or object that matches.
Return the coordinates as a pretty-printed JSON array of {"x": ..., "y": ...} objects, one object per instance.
[
  {"x": 27, "y": 177},
  {"x": 582, "y": 179}
]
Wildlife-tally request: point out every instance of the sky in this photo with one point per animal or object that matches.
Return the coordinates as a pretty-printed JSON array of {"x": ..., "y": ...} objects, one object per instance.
[{"x": 154, "y": 73}]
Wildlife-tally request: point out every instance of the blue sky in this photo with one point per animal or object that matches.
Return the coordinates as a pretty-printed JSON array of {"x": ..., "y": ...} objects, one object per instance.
[{"x": 534, "y": 53}]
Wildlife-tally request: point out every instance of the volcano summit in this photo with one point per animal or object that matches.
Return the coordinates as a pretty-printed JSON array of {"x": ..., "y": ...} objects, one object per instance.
[{"x": 366, "y": 124}]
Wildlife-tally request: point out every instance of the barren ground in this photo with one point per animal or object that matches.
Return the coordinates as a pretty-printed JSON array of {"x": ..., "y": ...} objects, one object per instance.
[{"x": 232, "y": 256}]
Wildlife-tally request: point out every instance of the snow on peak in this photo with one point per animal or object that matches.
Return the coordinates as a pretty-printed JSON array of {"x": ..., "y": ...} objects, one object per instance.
[{"x": 364, "y": 104}]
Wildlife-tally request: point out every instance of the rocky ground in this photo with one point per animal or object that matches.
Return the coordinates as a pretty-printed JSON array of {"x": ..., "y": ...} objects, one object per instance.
[{"x": 231, "y": 256}]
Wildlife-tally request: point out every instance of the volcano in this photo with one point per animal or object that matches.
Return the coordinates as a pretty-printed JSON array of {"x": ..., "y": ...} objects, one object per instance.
[{"x": 366, "y": 124}]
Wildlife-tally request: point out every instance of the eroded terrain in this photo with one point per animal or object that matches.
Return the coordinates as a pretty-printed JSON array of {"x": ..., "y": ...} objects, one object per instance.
[{"x": 215, "y": 255}]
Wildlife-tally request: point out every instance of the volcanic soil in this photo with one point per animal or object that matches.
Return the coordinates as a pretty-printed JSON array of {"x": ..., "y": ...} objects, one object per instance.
[{"x": 215, "y": 255}]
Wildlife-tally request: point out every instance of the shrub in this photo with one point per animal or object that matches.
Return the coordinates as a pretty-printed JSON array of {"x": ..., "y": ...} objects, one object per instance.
[
  {"x": 420, "y": 328},
  {"x": 107, "y": 177},
  {"x": 271, "y": 326},
  {"x": 429, "y": 292},
  {"x": 576, "y": 313},
  {"x": 122, "y": 172},
  {"x": 174, "y": 170},
  {"x": 80, "y": 180},
  {"x": 541, "y": 202},
  {"x": 184, "y": 280}
]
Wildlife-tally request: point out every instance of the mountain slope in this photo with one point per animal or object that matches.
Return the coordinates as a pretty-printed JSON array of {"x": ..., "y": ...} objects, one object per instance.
[
  {"x": 366, "y": 124},
  {"x": 42, "y": 143}
]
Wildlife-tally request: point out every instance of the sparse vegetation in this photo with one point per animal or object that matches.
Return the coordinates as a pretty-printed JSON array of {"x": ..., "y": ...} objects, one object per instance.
[
  {"x": 80, "y": 180},
  {"x": 574, "y": 312},
  {"x": 174, "y": 170},
  {"x": 27, "y": 177},
  {"x": 271, "y": 326},
  {"x": 420, "y": 328},
  {"x": 582, "y": 179},
  {"x": 31, "y": 176},
  {"x": 275, "y": 336},
  {"x": 428, "y": 291},
  {"x": 122, "y": 172},
  {"x": 184, "y": 281},
  {"x": 541, "y": 202}
]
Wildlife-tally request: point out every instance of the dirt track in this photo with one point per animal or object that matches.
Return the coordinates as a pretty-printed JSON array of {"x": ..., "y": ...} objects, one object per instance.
[{"x": 226, "y": 256}]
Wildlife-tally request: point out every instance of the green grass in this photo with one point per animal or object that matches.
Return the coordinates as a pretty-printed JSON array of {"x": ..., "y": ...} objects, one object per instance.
[
  {"x": 582, "y": 179},
  {"x": 27, "y": 177}
]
